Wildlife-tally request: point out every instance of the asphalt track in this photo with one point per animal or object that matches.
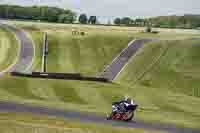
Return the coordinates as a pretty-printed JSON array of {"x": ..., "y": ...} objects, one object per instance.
[
  {"x": 112, "y": 70},
  {"x": 25, "y": 60},
  {"x": 26, "y": 53},
  {"x": 90, "y": 118}
]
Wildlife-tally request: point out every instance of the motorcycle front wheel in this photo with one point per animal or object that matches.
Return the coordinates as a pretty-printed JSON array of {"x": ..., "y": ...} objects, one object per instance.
[{"x": 130, "y": 117}]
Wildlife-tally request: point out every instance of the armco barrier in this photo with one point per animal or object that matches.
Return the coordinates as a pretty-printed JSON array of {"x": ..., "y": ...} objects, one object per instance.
[{"x": 65, "y": 76}]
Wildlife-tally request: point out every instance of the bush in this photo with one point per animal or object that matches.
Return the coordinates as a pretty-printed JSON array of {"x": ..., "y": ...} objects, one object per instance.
[{"x": 148, "y": 29}]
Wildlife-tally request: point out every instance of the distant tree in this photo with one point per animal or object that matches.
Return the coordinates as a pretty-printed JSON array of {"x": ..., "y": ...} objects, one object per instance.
[
  {"x": 126, "y": 21},
  {"x": 117, "y": 21},
  {"x": 83, "y": 19},
  {"x": 148, "y": 29},
  {"x": 92, "y": 20},
  {"x": 182, "y": 21},
  {"x": 61, "y": 18},
  {"x": 45, "y": 13},
  {"x": 66, "y": 18},
  {"x": 140, "y": 22}
]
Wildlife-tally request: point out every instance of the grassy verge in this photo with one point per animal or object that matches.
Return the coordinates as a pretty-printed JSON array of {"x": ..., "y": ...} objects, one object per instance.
[
  {"x": 8, "y": 48},
  {"x": 23, "y": 123}
]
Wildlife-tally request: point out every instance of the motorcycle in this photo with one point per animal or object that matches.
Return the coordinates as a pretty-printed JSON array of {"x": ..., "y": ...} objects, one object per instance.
[{"x": 122, "y": 114}]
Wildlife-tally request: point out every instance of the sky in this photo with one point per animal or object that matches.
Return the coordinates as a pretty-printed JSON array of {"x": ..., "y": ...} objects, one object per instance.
[{"x": 112, "y": 8}]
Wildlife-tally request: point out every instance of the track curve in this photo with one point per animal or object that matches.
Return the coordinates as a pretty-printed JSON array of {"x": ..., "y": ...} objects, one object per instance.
[{"x": 26, "y": 54}]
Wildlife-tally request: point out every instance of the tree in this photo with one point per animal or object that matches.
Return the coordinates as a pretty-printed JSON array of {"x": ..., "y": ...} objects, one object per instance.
[
  {"x": 45, "y": 13},
  {"x": 140, "y": 22},
  {"x": 66, "y": 18},
  {"x": 69, "y": 18},
  {"x": 83, "y": 19},
  {"x": 92, "y": 20},
  {"x": 117, "y": 21},
  {"x": 148, "y": 29},
  {"x": 126, "y": 21}
]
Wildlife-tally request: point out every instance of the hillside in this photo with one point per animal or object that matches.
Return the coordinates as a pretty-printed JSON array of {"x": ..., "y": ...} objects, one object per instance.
[
  {"x": 159, "y": 99},
  {"x": 164, "y": 77},
  {"x": 174, "y": 65},
  {"x": 87, "y": 54}
]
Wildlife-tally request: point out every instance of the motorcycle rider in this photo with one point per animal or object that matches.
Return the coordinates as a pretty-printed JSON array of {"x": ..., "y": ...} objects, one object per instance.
[
  {"x": 123, "y": 104},
  {"x": 125, "y": 108}
]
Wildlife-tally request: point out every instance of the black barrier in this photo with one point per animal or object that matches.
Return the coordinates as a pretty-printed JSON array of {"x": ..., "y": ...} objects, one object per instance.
[{"x": 65, "y": 76}]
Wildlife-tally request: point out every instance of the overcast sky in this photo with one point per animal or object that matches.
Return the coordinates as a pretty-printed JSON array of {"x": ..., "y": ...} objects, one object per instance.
[{"x": 110, "y": 8}]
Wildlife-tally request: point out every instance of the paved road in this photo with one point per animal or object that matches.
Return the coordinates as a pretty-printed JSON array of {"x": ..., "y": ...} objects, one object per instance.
[
  {"x": 112, "y": 70},
  {"x": 85, "y": 117},
  {"x": 26, "y": 54}
]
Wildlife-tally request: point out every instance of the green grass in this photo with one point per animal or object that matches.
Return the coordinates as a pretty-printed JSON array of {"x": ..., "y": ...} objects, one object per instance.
[
  {"x": 79, "y": 54},
  {"x": 158, "y": 77},
  {"x": 156, "y": 104},
  {"x": 23, "y": 123},
  {"x": 165, "y": 78},
  {"x": 8, "y": 48},
  {"x": 87, "y": 55},
  {"x": 175, "y": 67},
  {"x": 75, "y": 95}
]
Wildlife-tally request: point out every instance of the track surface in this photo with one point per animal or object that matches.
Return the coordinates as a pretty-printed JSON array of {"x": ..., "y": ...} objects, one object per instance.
[
  {"x": 85, "y": 117},
  {"x": 112, "y": 70},
  {"x": 26, "y": 50}
]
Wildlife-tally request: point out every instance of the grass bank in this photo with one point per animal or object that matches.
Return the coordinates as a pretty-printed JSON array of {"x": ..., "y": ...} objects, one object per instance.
[
  {"x": 164, "y": 77},
  {"x": 161, "y": 77},
  {"x": 8, "y": 48}
]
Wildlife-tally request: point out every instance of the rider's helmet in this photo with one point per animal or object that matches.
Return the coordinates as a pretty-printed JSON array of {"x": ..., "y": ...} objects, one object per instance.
[{"x": 127, "y": 99}]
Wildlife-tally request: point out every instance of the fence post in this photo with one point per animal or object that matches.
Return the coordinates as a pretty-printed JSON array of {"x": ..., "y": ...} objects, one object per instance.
[{"x": 44, "y": 53}]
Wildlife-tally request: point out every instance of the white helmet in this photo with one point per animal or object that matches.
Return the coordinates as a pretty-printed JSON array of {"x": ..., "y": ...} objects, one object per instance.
[{"x": 128, "y": 99}]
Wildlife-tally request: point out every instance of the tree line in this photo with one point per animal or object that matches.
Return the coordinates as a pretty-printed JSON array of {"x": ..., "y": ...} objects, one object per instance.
[
  {"x": 43, "y": 13},
  {"x": 54, "y": 14},
  {"x": 186, "y": 21}
]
